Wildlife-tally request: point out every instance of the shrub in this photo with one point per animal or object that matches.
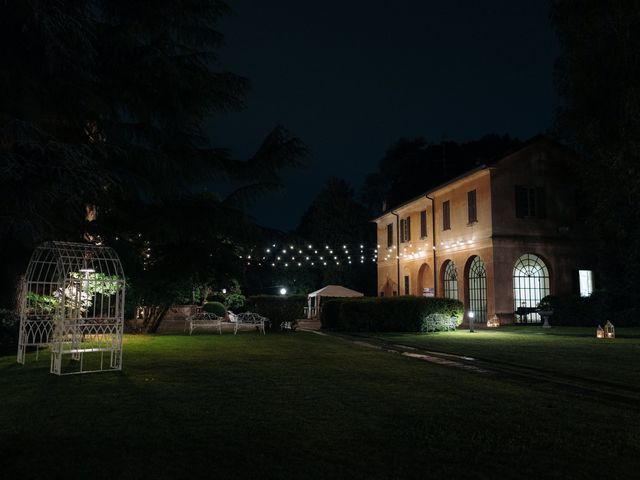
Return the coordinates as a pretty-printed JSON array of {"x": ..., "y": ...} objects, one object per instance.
[
  {"x": 278, "y": 308},
  {"x": 235, "y": 301},
  {"x": 572, "y": 310},
  {"x": 9, "y": 325},
  {"x": 394, "y": 314},
  {"x": 214, "y": 307}
]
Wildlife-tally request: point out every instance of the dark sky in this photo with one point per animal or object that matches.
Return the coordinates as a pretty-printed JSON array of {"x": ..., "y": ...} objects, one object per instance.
[{"x": 352, "y": 77}]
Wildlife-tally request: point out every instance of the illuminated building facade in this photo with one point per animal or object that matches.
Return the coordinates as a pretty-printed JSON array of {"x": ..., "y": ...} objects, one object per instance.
[{"x": 498, "y": 237}]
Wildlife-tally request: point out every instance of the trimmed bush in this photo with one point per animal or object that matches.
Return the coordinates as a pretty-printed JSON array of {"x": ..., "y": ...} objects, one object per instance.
[
  {"x": 390, "y": 314},
  {"x": 572, "y": 310},
  {"x": 214, "y": 307},
  {"x": 278, "y": 308}
]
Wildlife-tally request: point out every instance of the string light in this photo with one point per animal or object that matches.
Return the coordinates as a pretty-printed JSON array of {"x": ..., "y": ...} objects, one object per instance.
[{"x": 336, "y": 257}]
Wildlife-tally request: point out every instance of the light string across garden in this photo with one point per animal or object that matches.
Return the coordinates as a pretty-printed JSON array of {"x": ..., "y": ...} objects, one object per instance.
[{"x": 309, "y": 255}]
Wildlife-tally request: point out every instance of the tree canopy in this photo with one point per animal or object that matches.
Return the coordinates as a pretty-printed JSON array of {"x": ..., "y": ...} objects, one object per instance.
[
  {"x": 597, "y": 77},
  {"x": 104, "y": 110}
]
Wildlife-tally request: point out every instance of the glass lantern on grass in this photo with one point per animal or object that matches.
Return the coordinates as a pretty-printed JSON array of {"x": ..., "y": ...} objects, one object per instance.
[
  {"x": 609, "y": 330},
  {"x": 599, "y": 332}
]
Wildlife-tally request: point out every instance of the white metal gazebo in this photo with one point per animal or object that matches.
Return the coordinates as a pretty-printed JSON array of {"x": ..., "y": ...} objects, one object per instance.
[{"x": 72, "y": 300}]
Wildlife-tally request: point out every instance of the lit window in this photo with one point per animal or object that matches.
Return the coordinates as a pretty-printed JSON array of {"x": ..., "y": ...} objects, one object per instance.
[{"x": 586, "y": 282}]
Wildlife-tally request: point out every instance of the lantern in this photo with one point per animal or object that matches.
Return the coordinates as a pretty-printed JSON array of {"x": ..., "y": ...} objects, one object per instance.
[
  {"x": 493, "y": 322},
  {"x": 609, "y": 330},
  {"x": 599, "y": 332}
]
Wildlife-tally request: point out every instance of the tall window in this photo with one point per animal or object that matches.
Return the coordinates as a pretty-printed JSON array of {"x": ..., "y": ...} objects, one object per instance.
[
  {"x": 446, "y": 216},
  {"x": 478, "y": 289},
  {"x": 390, "y": 235},
  {"x": 530, "y": 283},
  {"x": 530, "y": 202},
  {"x": 471, "y": 206},
  {"x": 451, "y": 281},
  {"x": 407, "y": 286},
  {"x": 423, "y": 224},
  {"x": 586, "y": 282},
  {"x": 405, "y": 229}
]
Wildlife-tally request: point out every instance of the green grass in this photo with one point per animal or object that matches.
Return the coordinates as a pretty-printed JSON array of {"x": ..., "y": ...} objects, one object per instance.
[
  {"x": 298, "y": 406},
  {"x": 569, "y": 350}
]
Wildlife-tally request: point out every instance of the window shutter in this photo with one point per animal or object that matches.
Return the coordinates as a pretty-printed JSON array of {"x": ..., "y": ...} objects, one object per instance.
[
  {"x": 403, "y": 226},
  {"x": 471, "y": 204},
  {"x": 541, "y": 202},
  {"x": 390, "y": 235},
  {"x": 408, "y": 227},
  {"x": 521, "y": 202},
  {"x": 446, "y": 219},
  {"x": 423, "y": 224}
]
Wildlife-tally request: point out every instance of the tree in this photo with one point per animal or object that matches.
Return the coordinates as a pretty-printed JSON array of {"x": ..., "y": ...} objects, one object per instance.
[
  {"x": 597, "y": 77},
  {"x": 105, "y": 113},
  {"x": 336, "y": 218}
]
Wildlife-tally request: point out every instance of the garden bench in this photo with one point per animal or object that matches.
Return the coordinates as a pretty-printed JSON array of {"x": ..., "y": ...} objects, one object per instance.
[
  {"x": 204, "y": 320},
  {"x": 250, "y": 319},
  {"x": 439, "y": 322}
]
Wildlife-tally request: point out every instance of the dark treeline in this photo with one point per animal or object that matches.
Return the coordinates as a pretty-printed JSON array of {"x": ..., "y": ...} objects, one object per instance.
[{"x": 101, "y": 139}]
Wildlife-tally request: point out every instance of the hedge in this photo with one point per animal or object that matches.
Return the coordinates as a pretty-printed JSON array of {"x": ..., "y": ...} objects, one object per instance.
[
  {"x": 278, "y": 308},
  {"x": 216, "y": 308},
  {"x": 390, "y": 314},
  {"x": 572, "y": 310}
]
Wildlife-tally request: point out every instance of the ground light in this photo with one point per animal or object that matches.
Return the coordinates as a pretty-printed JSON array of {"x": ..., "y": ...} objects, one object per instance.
[
  {"x": 283, "y": 291},
  {"x": 471, "y": 316}
]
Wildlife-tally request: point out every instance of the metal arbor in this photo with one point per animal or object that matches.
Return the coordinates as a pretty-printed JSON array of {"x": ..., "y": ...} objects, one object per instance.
[{"x": 72, "y": 300}]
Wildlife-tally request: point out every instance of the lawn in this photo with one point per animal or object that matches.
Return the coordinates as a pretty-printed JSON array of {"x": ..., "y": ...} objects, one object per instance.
[
  {"x": 568, "y": 350},
  {"x": 298, "y": 406}
]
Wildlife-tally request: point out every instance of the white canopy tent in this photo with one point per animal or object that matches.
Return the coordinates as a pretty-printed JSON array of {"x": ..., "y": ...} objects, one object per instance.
[{"x": 332, "y": 291}]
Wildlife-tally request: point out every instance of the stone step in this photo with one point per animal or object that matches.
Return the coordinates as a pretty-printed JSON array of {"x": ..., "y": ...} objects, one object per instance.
[{"x": 309, "y": 324}]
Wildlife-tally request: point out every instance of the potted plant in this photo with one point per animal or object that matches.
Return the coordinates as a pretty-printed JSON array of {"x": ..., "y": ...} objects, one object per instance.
[{"x": 545, "y": 310}]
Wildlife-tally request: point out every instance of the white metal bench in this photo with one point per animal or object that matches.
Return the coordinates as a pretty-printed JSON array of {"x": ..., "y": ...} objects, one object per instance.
[
  {"x": 204, "y": 320},
  {"x": 250, "y": 319}
]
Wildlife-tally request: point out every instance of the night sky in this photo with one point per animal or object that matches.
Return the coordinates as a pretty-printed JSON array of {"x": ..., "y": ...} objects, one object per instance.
[{"x": 352, "y": 77}]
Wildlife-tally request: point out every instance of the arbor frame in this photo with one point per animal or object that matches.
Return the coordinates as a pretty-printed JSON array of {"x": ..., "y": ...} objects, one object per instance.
[{"x": 72, "y": 301}]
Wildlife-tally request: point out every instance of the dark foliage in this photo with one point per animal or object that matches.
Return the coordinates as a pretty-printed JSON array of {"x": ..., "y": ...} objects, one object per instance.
[
  {"x": 107, "y": 106},
  {"x": 278, "y": 309},
  {"x": 9, "y": 324},
  {"x": 216, "y": 308},
  {"x": 393, "y": 314},
  {"x": 597, "y": 77},
  {"x": 573, "y": 310}
]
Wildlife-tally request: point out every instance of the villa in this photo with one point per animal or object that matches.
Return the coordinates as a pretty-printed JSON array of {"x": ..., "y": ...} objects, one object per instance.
[{"x": 498, "y": 237}]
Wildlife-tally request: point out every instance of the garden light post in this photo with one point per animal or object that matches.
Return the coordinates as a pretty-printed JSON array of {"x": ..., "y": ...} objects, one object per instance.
[{"x": 471, "y": 317}]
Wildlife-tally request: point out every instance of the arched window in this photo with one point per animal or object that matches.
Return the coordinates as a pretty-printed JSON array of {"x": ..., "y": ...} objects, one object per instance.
[
  {"x": 478, "y": 289},
  {"x": 451, "y": 280},
  {"x": 530, "y": 283}
]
